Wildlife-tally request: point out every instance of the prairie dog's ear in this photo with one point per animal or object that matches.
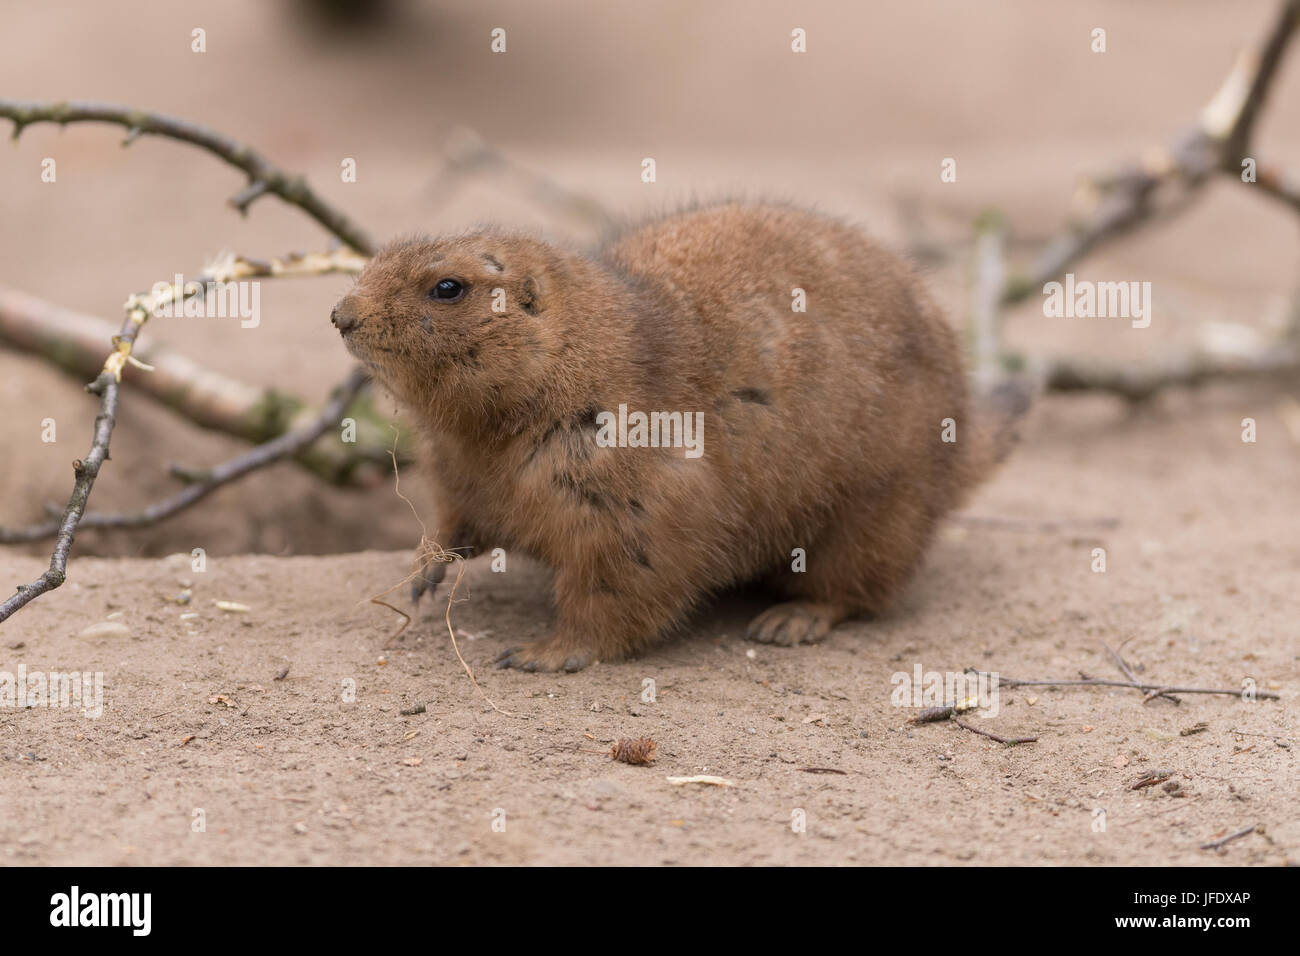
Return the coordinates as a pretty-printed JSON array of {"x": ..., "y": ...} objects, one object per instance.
[{"x": 532, "y": 295}]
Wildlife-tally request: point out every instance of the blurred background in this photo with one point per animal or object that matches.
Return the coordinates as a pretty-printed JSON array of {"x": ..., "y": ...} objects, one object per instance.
[{"x": 857, "y": 126}]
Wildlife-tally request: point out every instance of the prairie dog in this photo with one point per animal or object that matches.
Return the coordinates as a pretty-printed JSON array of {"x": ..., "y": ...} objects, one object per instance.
[{"x": 808, "y": 450}]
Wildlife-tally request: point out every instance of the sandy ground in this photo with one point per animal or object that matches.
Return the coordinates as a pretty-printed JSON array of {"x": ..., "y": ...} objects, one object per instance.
[
  {"x": 1201, "y": 530},
  {"x": 290, "y": 771}
]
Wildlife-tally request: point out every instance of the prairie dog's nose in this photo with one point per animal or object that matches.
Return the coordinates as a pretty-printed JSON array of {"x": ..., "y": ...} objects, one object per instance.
[{"x": 345, "y": 316}]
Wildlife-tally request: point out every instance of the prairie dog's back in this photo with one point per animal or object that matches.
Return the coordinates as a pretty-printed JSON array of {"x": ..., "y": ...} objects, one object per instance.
[{"x": 854, "y": 389}]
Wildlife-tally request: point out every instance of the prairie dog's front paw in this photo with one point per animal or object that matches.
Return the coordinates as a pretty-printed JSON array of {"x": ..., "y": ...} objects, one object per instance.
[
  {"x": 548, "y": 655},
  {"x": 428, "y": 575}
]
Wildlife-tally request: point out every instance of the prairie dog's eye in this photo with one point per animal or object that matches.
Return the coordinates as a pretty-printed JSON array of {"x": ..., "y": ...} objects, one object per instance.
[{"x": 447, "y": 290}]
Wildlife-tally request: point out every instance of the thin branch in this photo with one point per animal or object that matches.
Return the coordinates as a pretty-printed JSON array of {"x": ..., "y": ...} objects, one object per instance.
[
  {"x": 263, "y": 176},
  {"x": 1262, "y": 69},
  {"x": 268, "y": 453},
  {"x": 1150, "y": 779},
  {"x": 1251, "y": 733},
  {"x": 106, "y": 386},
  {"x": 1128, "y": 672},
  {"x": 992, "y": 736},
  {"x": 139, "y": 307},
  {"x": 1100, "y": 682},
  {"x": 74, "y": 342},
  {"x": 1217, "y": 844},
  {"x": 467, "y": 153},
  {"x": 286, "y": 445},
  {"x": 1279, "y": 184},
  {"x": 986, "y": 312},
  {"x": 1118, "y": 203},
  {"x": 1141, "y": 381}
]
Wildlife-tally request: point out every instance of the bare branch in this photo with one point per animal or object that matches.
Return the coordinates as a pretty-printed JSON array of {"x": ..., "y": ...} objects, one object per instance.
[
  {"x": 1262, "y": 68},
  {"x": 1279, "y": 184},
  {"x": 74, "y": 342},
  {"x": 1141, "y": 381},
  {"x": 86, "y": 471},
  {"x": 106, "y": 386},
  {"x": 1006, "y": 681},
  {"x": 467, "y": 153},
  {"x": 986, "y": 313},
  {"x": 1167, "y": 179},
  {"x": 1128, "y": 672},
  {"x": 263, "y": 176},
  {"x": 286, "y": 445},
  {"x": 1012, "y": 741},
  {"x": 1219, "y": 844}
]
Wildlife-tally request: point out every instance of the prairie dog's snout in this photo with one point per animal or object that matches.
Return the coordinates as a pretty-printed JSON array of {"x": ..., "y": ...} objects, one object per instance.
[{"x": 345, "y": 315}]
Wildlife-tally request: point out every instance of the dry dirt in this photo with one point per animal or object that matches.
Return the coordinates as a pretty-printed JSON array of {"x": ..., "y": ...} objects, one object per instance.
[{"x": 1201, "y": 530}]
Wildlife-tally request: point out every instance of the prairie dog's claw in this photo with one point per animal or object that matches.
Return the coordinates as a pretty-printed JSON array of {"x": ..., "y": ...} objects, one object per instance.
[{"x": 427, "y": 579}]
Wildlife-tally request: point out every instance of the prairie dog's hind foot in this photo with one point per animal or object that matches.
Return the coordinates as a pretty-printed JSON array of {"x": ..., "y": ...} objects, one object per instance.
[{"x": 796, "y": 622}]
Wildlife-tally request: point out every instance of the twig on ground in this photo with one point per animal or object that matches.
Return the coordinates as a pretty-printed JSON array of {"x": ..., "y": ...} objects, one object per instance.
[
  {"x": 933, "y": 715},
  {"x": 1128, "y": 672},
  {"x": 1151, "y": 779},
  {"x": 992, "y": 736},
  {"x": 1244, "y": 831},
  {"x": 1100, "y": 682},
  {"x": 1158, "y": 692}
]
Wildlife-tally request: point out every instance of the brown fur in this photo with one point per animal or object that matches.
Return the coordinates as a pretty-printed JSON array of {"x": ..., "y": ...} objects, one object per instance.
[{"x": 821, "y": 429}]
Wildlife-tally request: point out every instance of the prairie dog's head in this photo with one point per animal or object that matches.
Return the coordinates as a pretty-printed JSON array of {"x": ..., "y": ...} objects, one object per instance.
[{"x": 468, "y": 326}]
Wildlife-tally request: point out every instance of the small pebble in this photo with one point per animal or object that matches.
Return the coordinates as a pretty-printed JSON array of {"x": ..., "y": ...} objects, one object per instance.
[{"x": 114, "y": 629}]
